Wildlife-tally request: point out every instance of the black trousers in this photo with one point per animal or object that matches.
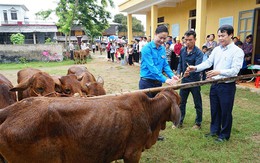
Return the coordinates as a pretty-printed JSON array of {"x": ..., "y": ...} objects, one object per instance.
[{"x": 221, "y": 105}]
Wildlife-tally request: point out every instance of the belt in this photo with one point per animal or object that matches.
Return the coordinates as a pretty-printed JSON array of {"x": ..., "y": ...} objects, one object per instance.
[{"x": 151, "y": 80}]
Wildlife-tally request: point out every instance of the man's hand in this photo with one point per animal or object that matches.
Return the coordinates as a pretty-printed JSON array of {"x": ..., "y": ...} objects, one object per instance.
[
  {"x": 171, "y": 81},
  {"x": 191, "y": 68},
  {"x": 212, "y": 73}
]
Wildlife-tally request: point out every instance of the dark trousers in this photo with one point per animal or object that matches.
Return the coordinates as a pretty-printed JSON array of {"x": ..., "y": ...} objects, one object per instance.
[
  {"x": 108, "y": 55},
  {"x": 221, "y": 105},
  {"x": 130, "y": 59},
  {"x": 71, "y": 54},
  {"x": 148, "y": 83},
  {"x": 136, "y": 57},
  {"x": 112, "y": 56},
  {"x": 184, "y": 93}
]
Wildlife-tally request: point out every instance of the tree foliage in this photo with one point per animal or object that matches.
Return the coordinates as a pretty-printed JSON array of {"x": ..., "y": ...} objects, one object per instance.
[
  {"x": 44, "y": 14},
  {"x": 89, "y": 14},
  {"x": 121, "y": 19},
  {"x": 17, "y": 38}
]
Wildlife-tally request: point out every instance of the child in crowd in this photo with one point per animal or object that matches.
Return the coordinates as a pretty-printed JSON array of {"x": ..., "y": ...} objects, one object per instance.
[
  {"x": 118, "y": 55},
  {"x": 168, "y": 52},
  {"x": 130, "y": 55},
  {"x": 205, "y": 57}
]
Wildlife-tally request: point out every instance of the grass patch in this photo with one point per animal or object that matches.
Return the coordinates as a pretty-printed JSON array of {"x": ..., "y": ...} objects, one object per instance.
[
  {"x": 15, "y": 66},
  {"x": 188, "y": 145}
]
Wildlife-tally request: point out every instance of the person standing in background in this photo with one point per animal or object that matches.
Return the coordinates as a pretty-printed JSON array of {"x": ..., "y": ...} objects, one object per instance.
[{"x": 72, "y": 48}]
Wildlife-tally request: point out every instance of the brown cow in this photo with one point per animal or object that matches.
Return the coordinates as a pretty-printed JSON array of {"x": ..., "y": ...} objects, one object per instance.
[
  {"x": 34, "y": 82},
  {"x": 71, "y": 86},
  {"x": 6, "y": 97},
  {"x": 80, "y": 56},
  {"x": 93, "y": 87},
  {"x": 85, "y": 129}
]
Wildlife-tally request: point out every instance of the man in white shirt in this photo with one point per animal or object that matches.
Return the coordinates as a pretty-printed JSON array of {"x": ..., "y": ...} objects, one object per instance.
[{"x": 227, "y": 60}]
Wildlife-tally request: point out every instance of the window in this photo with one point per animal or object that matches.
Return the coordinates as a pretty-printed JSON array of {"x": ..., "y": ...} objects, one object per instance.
[
  {"x": 192, "y": 13},
  {"x": 13, "y": 15},
  {"x": 160, "y": 19},
  {"x": 5, "y": 15}
]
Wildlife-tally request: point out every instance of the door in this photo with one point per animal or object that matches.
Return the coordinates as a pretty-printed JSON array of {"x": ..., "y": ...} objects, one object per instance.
[{"x": 256, "y": 38}]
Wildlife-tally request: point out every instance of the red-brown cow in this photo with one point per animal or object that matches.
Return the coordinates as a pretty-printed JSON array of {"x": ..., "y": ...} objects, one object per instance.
[
  {"x": 93, "y": 87},
  {"x": 71, "y": 86},
  {"x": 34, "y": 82},
  {"x": 85, "y": 129},
  {"x": 80, "y": 56},
  {"x": 6, "y": 97}
]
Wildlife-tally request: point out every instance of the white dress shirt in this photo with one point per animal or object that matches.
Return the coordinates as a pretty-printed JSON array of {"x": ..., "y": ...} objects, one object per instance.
[{"x": 228, "y": 60}]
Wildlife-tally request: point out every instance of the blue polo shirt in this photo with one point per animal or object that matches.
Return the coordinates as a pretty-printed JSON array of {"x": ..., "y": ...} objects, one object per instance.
[{"x": 154, "y": 62}]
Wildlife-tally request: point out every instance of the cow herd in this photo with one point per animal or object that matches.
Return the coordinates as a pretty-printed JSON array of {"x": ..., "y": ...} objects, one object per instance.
[{"x": 44, "y": 126}]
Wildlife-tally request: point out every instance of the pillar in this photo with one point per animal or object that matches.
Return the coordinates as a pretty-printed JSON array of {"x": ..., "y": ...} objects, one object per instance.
[
  {"x": 154, "y": 16},
  {"x": 129, "y": 28},
  {"x": 34, "y": 38},
  {"x": 201, "y": 7}
]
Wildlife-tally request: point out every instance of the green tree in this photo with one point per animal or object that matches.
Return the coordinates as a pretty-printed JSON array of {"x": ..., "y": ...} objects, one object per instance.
[
  {"x": 90, "y": 14},
  {"x": 17, "y": 38},
  {"x": 44, "y": 14},
  {"x": 136, "y": 24}
]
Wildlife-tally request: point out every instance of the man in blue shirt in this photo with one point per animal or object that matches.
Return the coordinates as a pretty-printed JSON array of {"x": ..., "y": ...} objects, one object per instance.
[
  {"x": 154, "y": 63},
  {"x": 190, "y": 55},
  {"x": 227, "y": 60}
]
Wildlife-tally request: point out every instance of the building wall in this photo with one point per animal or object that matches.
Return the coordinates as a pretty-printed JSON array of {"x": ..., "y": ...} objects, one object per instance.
[
  {"x": 20, "y": 14},
  {"x": 216, "y": 9},
  {"x": 12, "y": 53}
]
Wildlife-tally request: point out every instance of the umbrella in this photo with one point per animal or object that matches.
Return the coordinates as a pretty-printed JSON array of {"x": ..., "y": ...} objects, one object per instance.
[
  {"x": 121, "y": 41},
  {"x": 113, "y": 37}
]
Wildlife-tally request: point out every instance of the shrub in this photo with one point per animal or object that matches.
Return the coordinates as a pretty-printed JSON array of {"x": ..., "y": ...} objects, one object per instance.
[
  {"x": 17, "y": 38},
  {"x": 48, "y": 41}
]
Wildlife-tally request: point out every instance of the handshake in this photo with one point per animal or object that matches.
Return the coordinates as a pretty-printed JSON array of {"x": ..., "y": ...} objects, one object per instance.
[
  {"x": 188, "y": 70},
  {"x": 209, "y": 74}
]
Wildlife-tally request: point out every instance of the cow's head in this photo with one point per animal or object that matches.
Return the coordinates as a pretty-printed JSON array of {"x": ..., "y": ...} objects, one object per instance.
[
  {"x": 174, "y": 99},
  {"x": 95, "y": 88},
  {"x": 70, "y": 85},
  {"x": 40, "y": 84}
]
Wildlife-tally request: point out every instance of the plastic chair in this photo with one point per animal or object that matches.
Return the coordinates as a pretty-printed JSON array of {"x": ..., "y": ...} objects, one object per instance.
[{"x": 257, "y": 80}]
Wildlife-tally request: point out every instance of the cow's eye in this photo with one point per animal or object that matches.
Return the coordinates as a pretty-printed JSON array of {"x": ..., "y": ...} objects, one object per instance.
[
  {"x": 67, "y": 91},
  {"x": 40, "y": 90}
]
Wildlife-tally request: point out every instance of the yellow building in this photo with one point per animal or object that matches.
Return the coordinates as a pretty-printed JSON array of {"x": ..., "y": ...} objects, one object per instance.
[{"x": 204, "y": 16}]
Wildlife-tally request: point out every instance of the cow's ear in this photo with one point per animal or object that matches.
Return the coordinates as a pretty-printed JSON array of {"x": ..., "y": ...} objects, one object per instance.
[
  {"x": 100, "y": 80},
  {"x": 22, "y": 86},
  {"x": 80, "y": 78}
]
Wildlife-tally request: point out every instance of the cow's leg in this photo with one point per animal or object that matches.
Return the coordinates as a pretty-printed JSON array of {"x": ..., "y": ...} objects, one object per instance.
[{"x": 133, "y": 157}]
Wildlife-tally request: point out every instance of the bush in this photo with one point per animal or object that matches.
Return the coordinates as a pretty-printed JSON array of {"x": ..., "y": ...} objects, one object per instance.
[
  {"x": 48, "y": 41},
  {"x": 17, "y": 38}
]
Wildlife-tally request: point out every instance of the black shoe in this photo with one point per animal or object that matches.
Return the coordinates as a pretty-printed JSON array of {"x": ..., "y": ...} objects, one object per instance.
[
  {"x": 210, "y": 135},
  {"x": 160, "y": 138},
  {"x": 220, "y": 140}
]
